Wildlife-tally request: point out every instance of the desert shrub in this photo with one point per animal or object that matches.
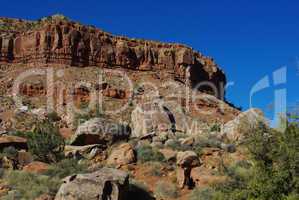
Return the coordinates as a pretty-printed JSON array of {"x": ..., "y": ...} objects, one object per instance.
[
  {"x": 30, "y": 186},
  {"x": 53, "y": 116},
  {"x": 155, "y": 169},
  {"x": 45, "y": 142},
  {"x": 215, "y": 128},
  {"x": 177, "y": 146},
  {"x": 66, "y": 168},
  {"x": 274, "y": 172},
  {"x": 202, "y": 194},
  {"x": 146, "y": 153},
  {"x": 166, "y": 190}
]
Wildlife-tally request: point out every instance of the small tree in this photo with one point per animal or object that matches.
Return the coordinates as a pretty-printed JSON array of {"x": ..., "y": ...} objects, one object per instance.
[{"x": 45, "y": 142}]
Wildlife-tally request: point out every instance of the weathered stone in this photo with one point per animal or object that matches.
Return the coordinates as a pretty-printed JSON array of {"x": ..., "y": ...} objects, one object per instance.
[
  {"x": 99, "y": 131},
  {"x": 122, "y": 155},
  {"x": 187, "y": 159},
  {"x": 189, "y": 141},
  {"x": 103, "y": 184},
  {"x": 169, "y": 154},
  {"x": 24, "y": 158},
  {"x": 17, "y": 142},
  {"x": 84, "y": 151}
]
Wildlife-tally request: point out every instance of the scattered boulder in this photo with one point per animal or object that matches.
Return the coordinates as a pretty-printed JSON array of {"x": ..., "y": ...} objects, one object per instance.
[
  {"x": 169, "y": 154},
  {"x": 24, "y": 158},
  {"x": 187, "y": 159},
  {"x": 122, "y": 155},
  {"x": 105, "y": 183},
  {"x": 14, "y": 141},
  {"x": 36, "y": 167},
  {"x": 99, "y": 131},
  {"x": 189, "y": 141}
]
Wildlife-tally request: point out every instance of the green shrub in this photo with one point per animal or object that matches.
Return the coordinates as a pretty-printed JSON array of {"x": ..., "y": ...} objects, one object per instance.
[
  {"x": 30, "y": 186},
  {"x": 166, "y": 190},
  {"x": 202, "y": 194},
  {"x": 45, "y": 142},
  {"x": 155, "y": 169},
  {"x": 10, "y": 152},
  {"x": 177, "y": 146},
  {"x": 66, "y": 168},
  {"x": 53, "y": 116},
  {"x": 147, "y": 153},
  {"x": 273, "y": 173},
  {"x": 215, "y": 128}
]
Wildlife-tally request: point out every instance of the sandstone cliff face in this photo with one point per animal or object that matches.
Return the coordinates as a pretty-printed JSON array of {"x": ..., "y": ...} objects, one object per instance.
[{"x": 58, "y": 41}]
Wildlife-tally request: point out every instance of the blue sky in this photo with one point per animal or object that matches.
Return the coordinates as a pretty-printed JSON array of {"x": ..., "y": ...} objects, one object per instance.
[{"x": 248, "y": 38}]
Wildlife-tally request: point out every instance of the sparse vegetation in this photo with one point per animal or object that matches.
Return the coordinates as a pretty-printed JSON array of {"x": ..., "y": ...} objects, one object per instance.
[
  {"x": 166, "y": 190},
  {"x": 66, "y": 168},
  {"x": 274, "y": 172},
  {"x": 155, "y": 169},
  {"x": 215, "y": 128},
  {"x": 45, "y": 142},
  {"x": 26, "y": 185},
  {"x": 147, "y": 153}
]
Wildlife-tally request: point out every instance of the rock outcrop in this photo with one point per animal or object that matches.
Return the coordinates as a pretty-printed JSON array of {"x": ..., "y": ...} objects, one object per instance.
[
  {"x": 59, "y": 41},
  {"x": 99, "y": 131},
  {"x": 122, "y": 155},
  {"x": 186, "y": 161},
  {"x": 103, "y": 184}
]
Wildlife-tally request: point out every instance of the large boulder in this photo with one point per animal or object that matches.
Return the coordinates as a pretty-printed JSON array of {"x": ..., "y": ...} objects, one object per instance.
[
  {"x": 122, "y": 155},
  {"x": 159, "y": 117},
  {"x": 99, "y": 131},
  {"x": 14, "y": 141},
  {"x": 186, "y": 161},
  {"x": 244, "y": 124},
  {"x": 104, "y": 184}
]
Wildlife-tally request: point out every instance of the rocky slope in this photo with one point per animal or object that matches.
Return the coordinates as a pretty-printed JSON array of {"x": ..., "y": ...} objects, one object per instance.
[{"x": 158, "y": 138}]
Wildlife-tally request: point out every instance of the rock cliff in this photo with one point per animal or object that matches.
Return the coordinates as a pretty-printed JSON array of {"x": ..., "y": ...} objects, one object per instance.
[{"x": 56, "y": 40}]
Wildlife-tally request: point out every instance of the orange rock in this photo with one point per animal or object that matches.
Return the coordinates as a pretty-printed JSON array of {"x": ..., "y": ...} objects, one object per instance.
[{"x": 36, "y": 167}]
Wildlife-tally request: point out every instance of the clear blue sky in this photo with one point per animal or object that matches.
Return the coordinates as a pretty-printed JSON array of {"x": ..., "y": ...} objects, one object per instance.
[{"x": 248, "y": 38}]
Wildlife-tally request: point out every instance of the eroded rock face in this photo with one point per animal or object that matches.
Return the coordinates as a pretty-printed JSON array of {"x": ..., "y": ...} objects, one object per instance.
[
  {"x": 69, "y": 43},
  {"x": 104, "y": 184},
  {"x": 99, "y": 131}
]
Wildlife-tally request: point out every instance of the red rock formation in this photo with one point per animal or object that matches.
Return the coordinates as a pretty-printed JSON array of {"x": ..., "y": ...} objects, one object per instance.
[{"x": 63, "y": 42}]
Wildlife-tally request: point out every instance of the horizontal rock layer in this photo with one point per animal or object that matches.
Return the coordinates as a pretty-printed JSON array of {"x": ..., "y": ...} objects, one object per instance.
[{"x": 69, "y": 43}]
